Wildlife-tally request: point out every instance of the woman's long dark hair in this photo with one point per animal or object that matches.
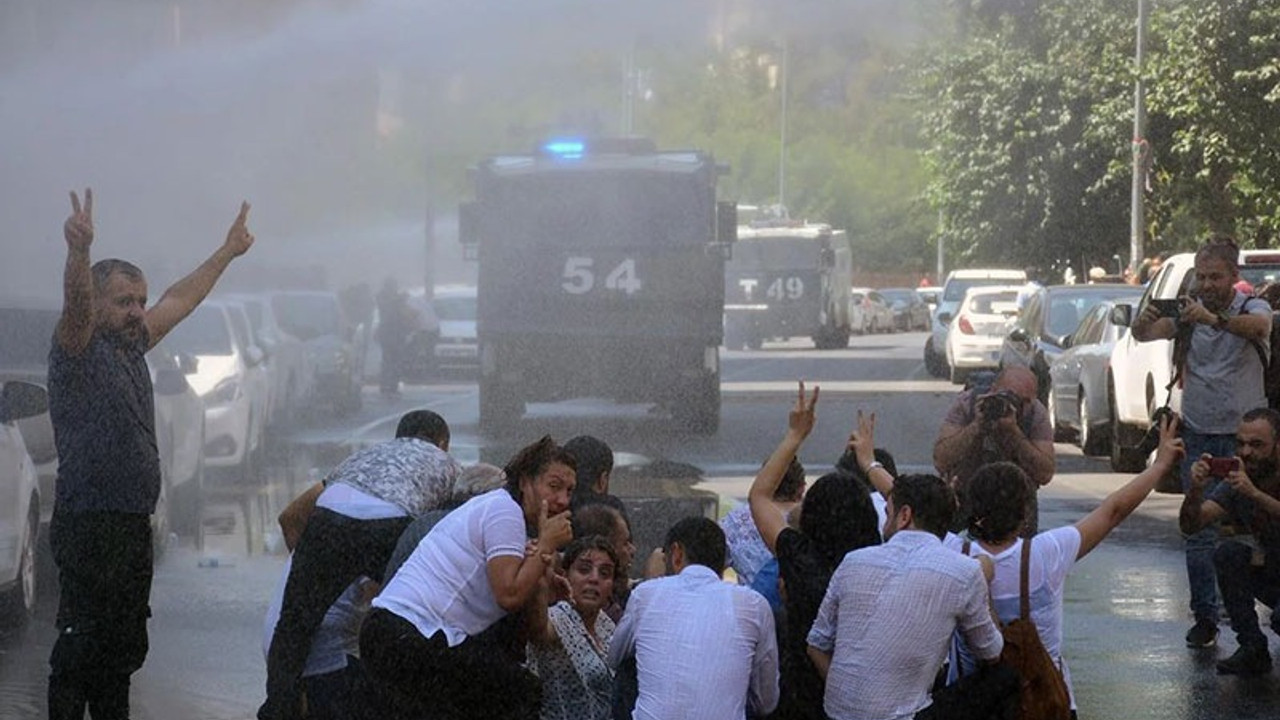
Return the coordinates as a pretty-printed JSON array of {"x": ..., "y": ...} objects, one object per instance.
[{"x": 837, "y": 516}]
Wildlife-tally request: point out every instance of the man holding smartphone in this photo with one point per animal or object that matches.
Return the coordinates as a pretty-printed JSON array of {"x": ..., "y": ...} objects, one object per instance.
[
  {"x": 1216, "y": 333},
  {"x": 1248, "y": 490}
]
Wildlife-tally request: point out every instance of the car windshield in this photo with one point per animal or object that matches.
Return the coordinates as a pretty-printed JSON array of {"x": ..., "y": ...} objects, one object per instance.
[
  {"x": 307, "y": 317},
  {"x": 776, "y": 254},
  {"x": 26, "y": 336},
  {"x": 993, "y": 303},
  {"x": 203, "y": 332},
  {"x": 903, "y": 296},
  {"x": 956, "y": 287},
  {"x": 1259, "y": 275},
  {"x": 1067, "y": 306},
  {"x": 455, "y": 308}
]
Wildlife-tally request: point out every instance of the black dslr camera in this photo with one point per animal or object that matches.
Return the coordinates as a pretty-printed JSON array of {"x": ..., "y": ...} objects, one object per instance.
[
  {"x": 998, "y": 405},
  {"x": 1151, "y": 440}
]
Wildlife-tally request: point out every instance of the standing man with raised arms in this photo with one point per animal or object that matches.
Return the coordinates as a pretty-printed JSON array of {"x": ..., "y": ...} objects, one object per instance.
[{"x": 109, "y": 468}]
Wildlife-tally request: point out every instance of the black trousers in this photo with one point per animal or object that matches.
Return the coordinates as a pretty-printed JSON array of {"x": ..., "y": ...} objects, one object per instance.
[
  {"x": 104, "y": 564},
  {"x": 991, "y": 693},
  {"x": 421, "y": 678},
  {"x": 333, "y": 552},
  {"x": 1241, "y": 582}
]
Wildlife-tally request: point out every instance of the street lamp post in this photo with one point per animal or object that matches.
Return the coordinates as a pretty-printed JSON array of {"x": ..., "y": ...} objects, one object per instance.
[{"x": 1141, "y": 149}]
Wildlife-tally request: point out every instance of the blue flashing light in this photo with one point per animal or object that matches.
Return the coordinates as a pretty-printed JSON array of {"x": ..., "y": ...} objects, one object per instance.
[{"x": 567, "y": 149}]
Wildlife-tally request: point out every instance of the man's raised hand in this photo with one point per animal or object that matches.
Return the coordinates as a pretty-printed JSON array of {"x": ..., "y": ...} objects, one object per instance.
[
  {"x": 239, "y": 239},
  {"x": 78, "y": 229},
  {"x": 802, "y": 417},
  {"x": 863, "y": 440}
]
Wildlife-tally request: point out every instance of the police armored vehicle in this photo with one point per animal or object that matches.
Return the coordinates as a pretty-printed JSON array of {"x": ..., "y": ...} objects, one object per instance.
[
  {"x": 601, "y": 274},
  {"x": 788, "y": 278}
]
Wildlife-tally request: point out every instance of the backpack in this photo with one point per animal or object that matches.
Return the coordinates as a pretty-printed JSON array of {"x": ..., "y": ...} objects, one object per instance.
[{"x": 1044, "y": 692}]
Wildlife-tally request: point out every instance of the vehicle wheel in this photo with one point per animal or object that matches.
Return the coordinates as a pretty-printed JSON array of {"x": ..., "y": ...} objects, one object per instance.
[
  {"x": 1060, "y": 433},
  {"x": 754, "y": 342},
  {"x": 18, "y": 603},
  {"x": 959, "y": 376},
  {"x": 1093, "y": 439},
  {"x": 1123, "y": 459},
  {"x": 699, "y": 411},
  {"x": 933, "y": 362},
  {"x": 500, "y": 407},
  {"x": 875, "y": 326}
]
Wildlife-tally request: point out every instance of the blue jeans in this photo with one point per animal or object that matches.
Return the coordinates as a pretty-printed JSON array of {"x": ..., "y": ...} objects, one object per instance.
[{"x": 1200, "y": 545}]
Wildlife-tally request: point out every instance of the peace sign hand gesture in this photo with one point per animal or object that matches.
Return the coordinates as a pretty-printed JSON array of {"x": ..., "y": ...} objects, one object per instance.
[
  {"x": 239, "y": 239},
  {"x": 802, "y": 417},
  {"x": 78, "y": 229}
]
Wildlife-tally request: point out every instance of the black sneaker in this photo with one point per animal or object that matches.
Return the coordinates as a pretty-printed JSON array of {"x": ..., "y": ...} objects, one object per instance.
[
  {"x": 1203, "y": 634},
  {"x": 1247, "y": 660}
]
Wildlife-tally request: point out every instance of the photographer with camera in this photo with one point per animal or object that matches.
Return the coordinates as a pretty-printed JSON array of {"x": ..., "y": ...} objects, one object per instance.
[
  {"x": 1004, "y": 422},
  {"x": 1219, "y": 335},
  {"x": 1247, "y": 489}
]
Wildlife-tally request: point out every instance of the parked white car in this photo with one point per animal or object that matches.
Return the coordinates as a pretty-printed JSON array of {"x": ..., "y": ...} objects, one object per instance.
[
  {"x": 229, "y": 376},
  {"x": 455, "y": 307},
  {"x": 1140, "y": 371},
  {"x": 869, "y": 311},
  {"x": 977, "y": 332},
  {"x": 953, "y": 290},
  {"x": 290, "y": 375},
  {"x": 19, "y": 502},
  {"x": 335, "y": 348}
]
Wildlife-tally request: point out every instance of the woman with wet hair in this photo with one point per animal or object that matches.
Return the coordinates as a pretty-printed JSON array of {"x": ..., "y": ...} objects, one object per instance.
[
  {"x": 443, "y": 638},
  {"x": 836, "y": 517},
  {"x": 569, "y": 641},
  {"x": 998, "y": 494}
]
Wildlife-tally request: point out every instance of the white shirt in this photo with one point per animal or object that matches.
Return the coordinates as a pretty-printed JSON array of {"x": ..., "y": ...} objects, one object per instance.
[
  {"x": 338, "y": 635},
  {"x": 702, "y": 648},
  {"x": 1053, "y": 554},
  {"x": 887, "y": 621},
  {"x": 444, "y": 585},
  {"x": 353, "y": 503}
]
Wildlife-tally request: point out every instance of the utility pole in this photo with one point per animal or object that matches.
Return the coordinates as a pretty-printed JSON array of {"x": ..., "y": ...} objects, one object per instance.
[
  {"x": 1141, "y": 149},
  {"x": 629, "y": 91},
  {"x": 782, "y": 139}
]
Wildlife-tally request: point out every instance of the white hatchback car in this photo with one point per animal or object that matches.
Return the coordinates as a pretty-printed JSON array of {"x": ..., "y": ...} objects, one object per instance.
[
  {"x": 978, "y": 329},
  {"x": 229, "y": 376},
  {"x": 455, "y": 306},
  {"x": 19, "y": 502}
]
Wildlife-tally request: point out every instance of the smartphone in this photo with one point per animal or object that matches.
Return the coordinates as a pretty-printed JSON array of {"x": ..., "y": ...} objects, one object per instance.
[
  {"x": 1221, "y": 467},
  {"x": 1168, "y": 308}
]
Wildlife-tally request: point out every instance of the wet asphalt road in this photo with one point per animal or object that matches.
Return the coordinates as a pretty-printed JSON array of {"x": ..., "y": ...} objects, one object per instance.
[{"x": 1126, "y": 604}]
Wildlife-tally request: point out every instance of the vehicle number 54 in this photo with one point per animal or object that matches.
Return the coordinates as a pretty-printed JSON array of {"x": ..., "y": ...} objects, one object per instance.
[{"x": 579, "y": 276}]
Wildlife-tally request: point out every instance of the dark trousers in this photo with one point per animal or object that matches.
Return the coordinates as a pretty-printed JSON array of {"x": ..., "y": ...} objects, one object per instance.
[
  {"x": 420, "y": 678},
  {"x": 332, "y": 553},
  {"x": 991, "y": 693},
  {"x": 393, "y": 352},
  {"x": 1240, "y": 582},
  {"x": 341, "y": 695},
  {"x": 104, "y": 564}
]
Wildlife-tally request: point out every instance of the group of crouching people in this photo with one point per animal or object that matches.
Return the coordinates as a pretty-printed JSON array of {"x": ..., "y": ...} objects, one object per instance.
[{"x": 418, "y": 589}]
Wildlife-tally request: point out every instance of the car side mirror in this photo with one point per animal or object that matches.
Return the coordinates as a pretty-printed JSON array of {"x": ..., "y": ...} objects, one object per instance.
[
  {"x": 170, "y": 381},
  {"x": 20, "y": 400},
  {"x": 1019, "y": 335},
  {"x": 189, "y": 364},
  {"x": 944, "y": 318},
  {"x": 254, "y": 356},
  {"x": 1066, "y": 341},
  {"x": 1122, "y": 315}
]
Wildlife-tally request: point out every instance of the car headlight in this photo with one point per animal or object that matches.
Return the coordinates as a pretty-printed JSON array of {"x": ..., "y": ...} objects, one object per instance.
[{"x": 226, "y": 392}]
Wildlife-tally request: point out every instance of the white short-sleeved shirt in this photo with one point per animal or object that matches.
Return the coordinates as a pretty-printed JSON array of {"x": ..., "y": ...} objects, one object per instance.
[
  {"x": 1053, "y": 554},
  {"x": 444, "y": 585}
]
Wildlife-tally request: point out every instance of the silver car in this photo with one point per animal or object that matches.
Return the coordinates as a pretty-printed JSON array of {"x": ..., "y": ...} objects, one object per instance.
[{"x": 1079, "y": 405}]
